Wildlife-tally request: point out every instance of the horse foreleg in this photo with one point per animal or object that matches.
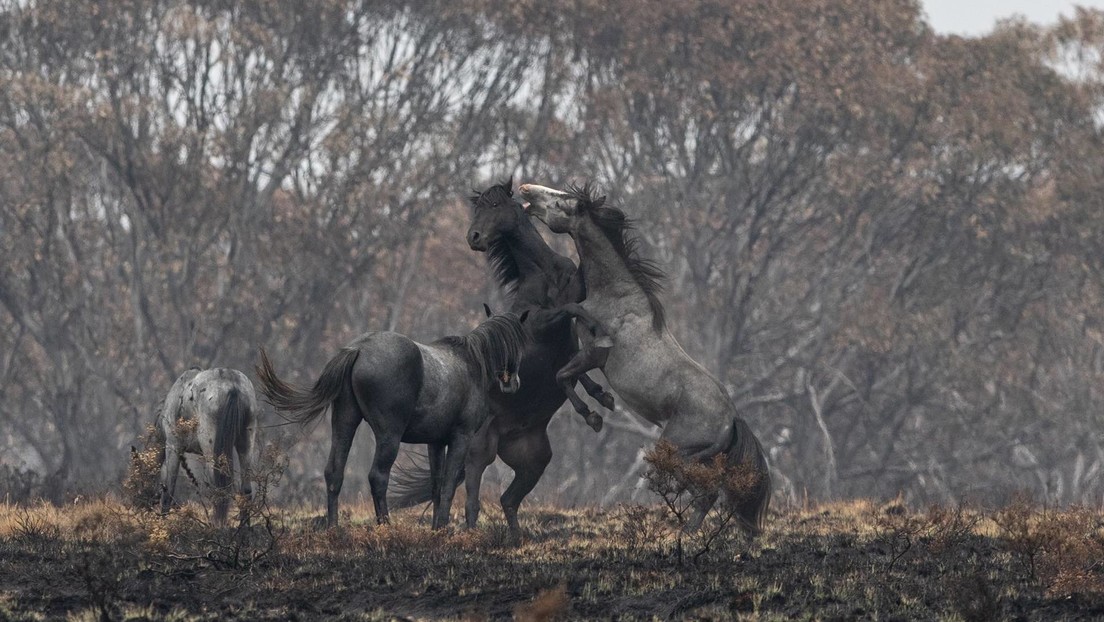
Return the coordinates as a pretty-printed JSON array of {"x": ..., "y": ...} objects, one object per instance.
[
  {"x": 169, "y": 470},
  {"x": 344, "y": 420},
  {"x": 583, "y": 361},
  {"x": 436, "y": 456},
  {"x": 454, "y": 467},
  {"x": 481, "y": 454},
  {"x": 595, "y": 390},
  {"x": 589, "y": 321},
  {"x": 528, "y": 455}
]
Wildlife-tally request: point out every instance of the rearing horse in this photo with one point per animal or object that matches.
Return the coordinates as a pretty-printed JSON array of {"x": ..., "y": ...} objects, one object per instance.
[
  {"x": 645, "y": 365},
  {"x": 541, "y": 281}
]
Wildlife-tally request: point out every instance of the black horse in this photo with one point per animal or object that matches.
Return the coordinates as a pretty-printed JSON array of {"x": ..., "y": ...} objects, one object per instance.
[
  {"x": 409, "y": 392},
  {"x": 540, "y": 281}
]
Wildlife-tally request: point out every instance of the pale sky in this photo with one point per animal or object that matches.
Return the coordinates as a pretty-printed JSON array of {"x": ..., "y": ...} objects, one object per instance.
[{"x": 977, "y": 17}]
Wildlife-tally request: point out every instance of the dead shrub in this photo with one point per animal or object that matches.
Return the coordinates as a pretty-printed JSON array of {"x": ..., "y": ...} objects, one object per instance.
[
  {"x": 684, "y": 485},
  {"x": 948, "y": 529},
  {"x": 975, "y": 598},
  {"x": 32, "y": 526},
  {"x": 897, "y": 529},
  {"x": 639, "y": 528},
  {"x": 142, "y": 484},
  {"x": 192, "y": 536},
  {"x": 1062, "y": 551}
]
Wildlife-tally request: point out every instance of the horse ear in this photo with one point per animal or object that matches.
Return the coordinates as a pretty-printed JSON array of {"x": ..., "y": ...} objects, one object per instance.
[
  {"x": 510, "y": 186},
  {"x": 524, "y": 315},
  {"x": 600, "y": 201},
  {"x": 487, "y": 309}
]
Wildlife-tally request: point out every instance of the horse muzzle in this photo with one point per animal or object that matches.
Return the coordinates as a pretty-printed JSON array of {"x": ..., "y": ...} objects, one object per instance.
[
  {"x": 477, "y": 241},
  {"x": 509, "y": 383}
]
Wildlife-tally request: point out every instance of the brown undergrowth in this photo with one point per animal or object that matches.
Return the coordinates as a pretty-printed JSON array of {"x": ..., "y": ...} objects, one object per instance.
[{"x": 104, "y": 559}]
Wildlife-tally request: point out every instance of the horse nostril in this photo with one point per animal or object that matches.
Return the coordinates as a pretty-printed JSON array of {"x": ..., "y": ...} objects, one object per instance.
[{"x": 473, "y": 237}]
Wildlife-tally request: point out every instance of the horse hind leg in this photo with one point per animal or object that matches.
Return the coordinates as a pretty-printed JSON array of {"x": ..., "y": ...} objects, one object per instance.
[
  {"x": 247, "y": 461},
  {"x": 481, "y": 454},
  {"x": 528, "y": 455},
  {"x": 344, "y": 420},
  {"x": 701, "y": 506},
  {"x": 218, "y": 468}
]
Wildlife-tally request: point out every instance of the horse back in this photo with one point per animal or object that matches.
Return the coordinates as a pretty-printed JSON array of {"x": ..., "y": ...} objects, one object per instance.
[
  {"x": 422, "y": 392},
  {"x": 194, "y": 405},
  {"x": 388, "y": 372}
]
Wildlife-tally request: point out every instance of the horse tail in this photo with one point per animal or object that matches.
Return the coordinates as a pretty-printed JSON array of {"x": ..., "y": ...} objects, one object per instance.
[
  {"x": 229, "y": 421},
  {"x": 302, "y": 405},
  {"x": 746, "y": 452},
  {"x": 410, "y": 485}
]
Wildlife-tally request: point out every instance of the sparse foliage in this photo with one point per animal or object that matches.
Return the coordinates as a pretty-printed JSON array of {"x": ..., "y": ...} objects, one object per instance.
[{"x": 683, "y": 485}]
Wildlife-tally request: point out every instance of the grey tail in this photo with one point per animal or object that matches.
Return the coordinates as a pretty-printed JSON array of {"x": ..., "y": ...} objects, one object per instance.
[
  {"x": 230, "y": 419},
  {"x": 301, "y": 405},
  {"x": 410, "y": 485},
  {"x": 746, "y": 451}
]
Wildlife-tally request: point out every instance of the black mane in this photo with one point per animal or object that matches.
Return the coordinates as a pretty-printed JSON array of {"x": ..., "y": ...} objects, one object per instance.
[
  {"x": 494, "y": 345},
  {"x": 618, "y": 229},
  {"x": 501, "y": 260}
]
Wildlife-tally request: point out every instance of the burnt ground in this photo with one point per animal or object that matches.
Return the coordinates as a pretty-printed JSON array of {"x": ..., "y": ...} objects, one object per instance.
[{"x": 99, "y": 560}]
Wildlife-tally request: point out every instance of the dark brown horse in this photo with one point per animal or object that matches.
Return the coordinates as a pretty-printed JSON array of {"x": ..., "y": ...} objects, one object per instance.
[{"x": 540, "y": 281}]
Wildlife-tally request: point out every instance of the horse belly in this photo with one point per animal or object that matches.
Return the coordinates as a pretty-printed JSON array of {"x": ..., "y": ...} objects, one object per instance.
[
  {"x": 443, "y": 404},
  {"x": 642, "y": 381}
]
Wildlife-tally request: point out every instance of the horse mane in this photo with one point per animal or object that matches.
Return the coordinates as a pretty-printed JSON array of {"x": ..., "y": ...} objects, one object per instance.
[
  {"x": 618, "y": 229},
  {"x": 502, "y": 261},
  {"x": 495, "y": 344}
]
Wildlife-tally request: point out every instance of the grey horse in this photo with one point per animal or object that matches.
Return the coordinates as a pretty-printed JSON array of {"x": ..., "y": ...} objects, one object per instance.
[
  {"x": 645, "y": 365},
  {"x": 408, "y": 392},
  {"x": 213, "y": 413}
]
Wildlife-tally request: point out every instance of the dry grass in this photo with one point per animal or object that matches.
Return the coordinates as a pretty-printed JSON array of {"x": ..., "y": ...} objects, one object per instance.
[{"x": 101, "y": 559}]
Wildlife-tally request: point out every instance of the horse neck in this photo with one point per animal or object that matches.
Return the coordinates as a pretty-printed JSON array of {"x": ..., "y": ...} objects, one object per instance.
[
  {"x": 603, "y": 267},
  {"x": 534, "y": 258}
]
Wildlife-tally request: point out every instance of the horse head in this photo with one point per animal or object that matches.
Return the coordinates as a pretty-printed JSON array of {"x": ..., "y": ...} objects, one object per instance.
[
  {"x": 558, "y": 209},
  {"x": 501, "y": 340},
  {"x": 495, "y": 212}
]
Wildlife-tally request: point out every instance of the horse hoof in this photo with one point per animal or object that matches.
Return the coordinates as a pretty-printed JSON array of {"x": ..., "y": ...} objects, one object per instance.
[
  {"x": 594, "y": 420},
  {"x": 606, "y": 400}
]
